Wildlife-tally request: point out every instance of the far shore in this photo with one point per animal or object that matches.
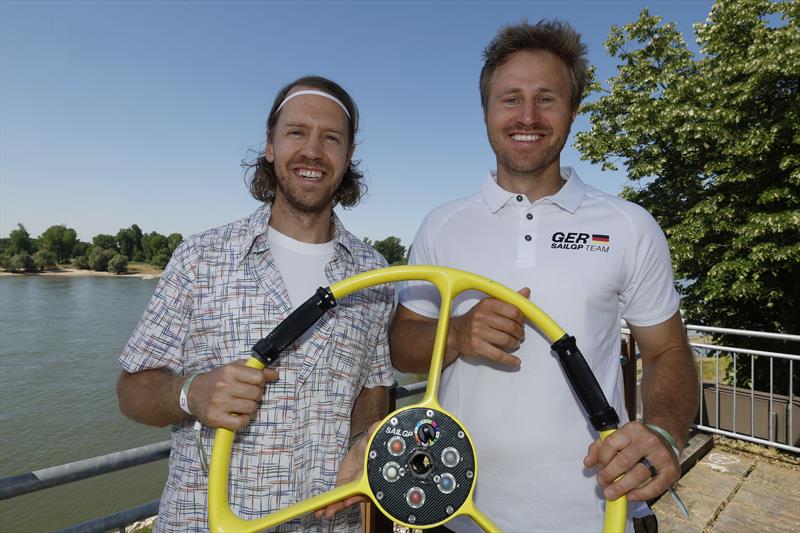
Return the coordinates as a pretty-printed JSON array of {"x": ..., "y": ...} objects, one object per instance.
[{"x": 144, "y": 272}]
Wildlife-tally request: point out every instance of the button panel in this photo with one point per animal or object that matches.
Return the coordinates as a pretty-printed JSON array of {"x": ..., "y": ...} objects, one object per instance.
[{"x": 422, "y": 463}]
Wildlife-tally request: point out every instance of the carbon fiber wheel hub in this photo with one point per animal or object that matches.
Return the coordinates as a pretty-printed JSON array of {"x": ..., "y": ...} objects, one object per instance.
[{"x": 421, "y": 466}]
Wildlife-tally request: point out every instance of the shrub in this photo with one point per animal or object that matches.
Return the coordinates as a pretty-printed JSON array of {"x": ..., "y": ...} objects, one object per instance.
[
  {"x": 81, "y": 262},
  {"x": 118, "y": 264},
  {"x": 21, "y": 263},
  {"x": 99, "y": 258},
  {"x": 44, "y": 259}
]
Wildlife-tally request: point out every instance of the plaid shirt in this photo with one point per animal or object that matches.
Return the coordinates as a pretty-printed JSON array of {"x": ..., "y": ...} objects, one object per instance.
[{"x": 219, "y": 295}]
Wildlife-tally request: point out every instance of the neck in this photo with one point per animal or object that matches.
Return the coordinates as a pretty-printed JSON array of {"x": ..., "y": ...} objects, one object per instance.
[
  {"x": 534, "y": 185},
  {"x": 314, "y": 228}
]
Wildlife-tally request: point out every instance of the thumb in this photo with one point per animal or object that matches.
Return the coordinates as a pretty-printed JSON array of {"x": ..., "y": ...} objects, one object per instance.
[{"x": 525, "y": 291}]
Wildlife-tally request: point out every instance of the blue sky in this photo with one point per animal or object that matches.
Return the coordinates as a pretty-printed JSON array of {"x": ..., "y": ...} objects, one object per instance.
[{"x": 114, "y": 113}]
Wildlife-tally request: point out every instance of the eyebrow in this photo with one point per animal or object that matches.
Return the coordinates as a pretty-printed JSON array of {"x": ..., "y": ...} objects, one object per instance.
[
  {"x": 304, "y": 125},
  {"x": 513, "y": 90}
]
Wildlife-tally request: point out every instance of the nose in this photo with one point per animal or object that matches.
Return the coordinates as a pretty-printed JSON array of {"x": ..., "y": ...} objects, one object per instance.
[
  {"x": 312, "y": 148},
  {"x": 529, "y": 113}
]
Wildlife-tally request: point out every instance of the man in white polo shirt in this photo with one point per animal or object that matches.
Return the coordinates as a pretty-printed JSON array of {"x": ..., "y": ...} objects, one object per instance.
[{"x": 588, "y": 259}]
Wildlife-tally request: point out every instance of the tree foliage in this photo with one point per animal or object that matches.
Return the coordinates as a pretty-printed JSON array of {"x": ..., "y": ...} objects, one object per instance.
[
  {"x": 118, "y": 264},
  {"x": 391, "y": 249},
  {"x": 99, "y": 257},
  {"x": 44, "y": 259},
  {"x": 103, "y": 240},
  {"x": 19, "y": 242},
  {"x": 21, "y": 262},
  {"x": 60, "y": 240},
  {"x": 130, "y": 243},
  {"x": 712, "y": 146}
]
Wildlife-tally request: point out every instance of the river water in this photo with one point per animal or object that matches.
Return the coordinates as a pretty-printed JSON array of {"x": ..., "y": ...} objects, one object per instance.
[{"x": 59, "y": 340}]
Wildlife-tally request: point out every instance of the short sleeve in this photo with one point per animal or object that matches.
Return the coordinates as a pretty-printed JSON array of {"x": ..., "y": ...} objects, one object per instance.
[
  {"x": 421, "y": 297},
  {"x": 157, "y": 341},
  {"x": 649, "y": 296}
]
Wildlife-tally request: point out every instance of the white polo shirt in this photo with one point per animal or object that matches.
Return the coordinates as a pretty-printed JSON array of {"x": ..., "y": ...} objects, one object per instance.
[{"x": 589, "y": 259}]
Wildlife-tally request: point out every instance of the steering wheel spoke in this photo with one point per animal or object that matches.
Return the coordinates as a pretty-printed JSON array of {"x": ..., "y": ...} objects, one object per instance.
[{"x": 420, "y": 467}]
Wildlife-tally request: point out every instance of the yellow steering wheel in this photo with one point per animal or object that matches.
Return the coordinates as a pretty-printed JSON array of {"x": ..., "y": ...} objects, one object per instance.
[{"x": 420, "y": 466}]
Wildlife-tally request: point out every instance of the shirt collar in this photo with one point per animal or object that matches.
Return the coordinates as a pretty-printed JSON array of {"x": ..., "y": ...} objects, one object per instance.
[
  {"x": 568, "y": 197},
  {"x": 254, "y": 238}
]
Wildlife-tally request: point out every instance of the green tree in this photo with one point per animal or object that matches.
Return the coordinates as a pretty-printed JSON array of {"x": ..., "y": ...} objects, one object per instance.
[
  {"x": 118, "y": 264},
  {"x": 391, "y": 249},
  {"x": 105, "y": 241},
  {"x": 21, "y": 262},
  {"x": 44, "y": 259},
  {"x": 80, "y": 249},
  {"x": 81, "y": 262},
  {"x": 173, "y": 240},
  {"x": 130, "y": 242},
  {"x": 153, "y": 243},
  {"x": 60, "y": 240},
  {"x": 99, "y": 258},
  {"x": 712, "y": 146},
  {"x": 19, "y": 242}
]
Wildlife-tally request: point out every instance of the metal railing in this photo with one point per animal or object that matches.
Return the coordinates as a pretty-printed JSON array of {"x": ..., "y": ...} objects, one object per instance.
[
  {"x": 13, "y": 486},
  {"x": 18, "y": 485},
  {"x": 771, "y": 419}
]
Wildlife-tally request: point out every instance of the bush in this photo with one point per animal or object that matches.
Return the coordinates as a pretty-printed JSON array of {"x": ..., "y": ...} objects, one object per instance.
[
  {"x": 99, "y": 258},
  {"x": 160, "y": 260},
  {"x": 44, "y": 259},
  {"x": 81, "y": 262},
  {"x": 21, "y": 263},
  {"x": 118, "y": 264}
]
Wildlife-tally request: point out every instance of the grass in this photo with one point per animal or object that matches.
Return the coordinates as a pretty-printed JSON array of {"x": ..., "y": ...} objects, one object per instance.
[{"x": 143, "y": 268}]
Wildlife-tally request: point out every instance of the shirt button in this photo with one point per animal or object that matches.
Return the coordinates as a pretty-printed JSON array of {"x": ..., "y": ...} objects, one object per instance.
[
  {"x": 519, "y": 197},
  {"x": 528, "y": 238},
  {"x": 529, "y": 216}
]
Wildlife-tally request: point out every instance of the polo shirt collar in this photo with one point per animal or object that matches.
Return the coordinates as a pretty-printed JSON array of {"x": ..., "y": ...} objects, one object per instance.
[
  {"x": 254, "y": 238},
  {"x": 568, "y": 197}
]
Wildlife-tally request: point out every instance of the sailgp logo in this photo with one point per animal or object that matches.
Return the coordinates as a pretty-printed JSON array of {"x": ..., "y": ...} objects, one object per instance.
[{"x": 587, "y": 242}]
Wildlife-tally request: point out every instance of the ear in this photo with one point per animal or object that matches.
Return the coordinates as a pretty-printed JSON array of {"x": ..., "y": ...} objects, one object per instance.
[
  {"x": 350, "y": 153},
  {"x": 269, "y": 153}
]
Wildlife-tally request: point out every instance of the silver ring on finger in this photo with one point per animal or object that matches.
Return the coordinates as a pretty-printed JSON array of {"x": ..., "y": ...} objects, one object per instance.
[{"x": 649, "y": 466}]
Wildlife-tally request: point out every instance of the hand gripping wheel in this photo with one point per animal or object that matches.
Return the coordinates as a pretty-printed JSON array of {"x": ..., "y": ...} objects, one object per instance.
[{"x": 420, "y": 466}]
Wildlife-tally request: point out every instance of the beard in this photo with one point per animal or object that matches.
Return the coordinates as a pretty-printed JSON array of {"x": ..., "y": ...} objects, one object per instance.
[
  {"x": 531, "y": 162},
  {"x": 311, "y": 200}
]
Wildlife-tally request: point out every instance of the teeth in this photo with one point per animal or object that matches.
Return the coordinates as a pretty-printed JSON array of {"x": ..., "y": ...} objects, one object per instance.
[
  {"x": 519, "y": 137},
  {"x": 313, "y": 174}
]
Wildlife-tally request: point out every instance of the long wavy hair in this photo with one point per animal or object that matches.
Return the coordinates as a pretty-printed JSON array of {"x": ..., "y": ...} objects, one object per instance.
[{"x": 260, "y": 173}]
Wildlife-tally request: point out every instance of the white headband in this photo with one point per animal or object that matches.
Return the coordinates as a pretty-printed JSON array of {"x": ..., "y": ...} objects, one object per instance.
[{"x": 318, "y": 93}]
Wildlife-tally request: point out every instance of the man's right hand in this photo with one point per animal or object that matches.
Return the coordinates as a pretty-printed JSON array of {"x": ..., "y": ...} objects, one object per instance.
[
  {"x": 228, "y": 396},
  {"x": 489, "y": 331}
]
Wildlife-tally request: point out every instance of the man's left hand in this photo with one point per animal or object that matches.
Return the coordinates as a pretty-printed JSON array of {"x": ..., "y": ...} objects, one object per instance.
[
  {"x": 351, "y": 468},
  {"x": 620, "y": 453}
]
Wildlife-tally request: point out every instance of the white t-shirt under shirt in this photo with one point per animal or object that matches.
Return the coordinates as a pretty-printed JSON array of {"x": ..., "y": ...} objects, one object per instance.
[
  {"x": 589, "y": 259},
  {"x": 301, "y": 264}
]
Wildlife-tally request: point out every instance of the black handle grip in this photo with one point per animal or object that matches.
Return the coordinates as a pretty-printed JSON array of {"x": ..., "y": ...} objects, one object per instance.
[
  {"x": 268, "y": 349},
  {"x": 601, "y": 414}
]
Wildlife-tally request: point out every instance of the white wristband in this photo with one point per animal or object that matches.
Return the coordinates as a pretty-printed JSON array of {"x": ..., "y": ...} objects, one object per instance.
[{"x": 183, "y": 400}]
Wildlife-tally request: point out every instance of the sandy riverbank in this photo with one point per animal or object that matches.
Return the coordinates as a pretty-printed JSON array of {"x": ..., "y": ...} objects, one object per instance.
[{"x": 135, "y": 272}]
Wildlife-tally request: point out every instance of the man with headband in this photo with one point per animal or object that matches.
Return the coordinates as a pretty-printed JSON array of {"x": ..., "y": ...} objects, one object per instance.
[
  {"x": 228, "y": 287},
  {"x": 588, "y": 259}
]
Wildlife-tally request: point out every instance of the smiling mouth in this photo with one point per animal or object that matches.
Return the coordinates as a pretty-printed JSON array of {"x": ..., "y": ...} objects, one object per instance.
[
  {"x": 520, "y": 137},
  {"x": 309, "y": 174}
]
